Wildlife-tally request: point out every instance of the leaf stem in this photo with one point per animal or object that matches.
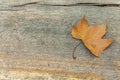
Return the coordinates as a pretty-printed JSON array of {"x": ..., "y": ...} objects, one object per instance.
[{"x": 74, "y": 51}]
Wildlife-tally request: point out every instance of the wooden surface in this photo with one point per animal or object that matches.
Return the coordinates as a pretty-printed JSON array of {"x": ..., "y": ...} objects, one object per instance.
[{"x": 36, "y": 44}]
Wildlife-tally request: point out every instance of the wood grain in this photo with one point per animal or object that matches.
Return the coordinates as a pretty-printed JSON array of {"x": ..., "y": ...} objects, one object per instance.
[
  {"x": 11, "y": 2},
  {"x": 35, "y": 40}
]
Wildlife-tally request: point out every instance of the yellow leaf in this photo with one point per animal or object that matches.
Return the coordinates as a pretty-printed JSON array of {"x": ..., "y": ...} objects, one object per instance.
[{"x": 91, "y": 36}]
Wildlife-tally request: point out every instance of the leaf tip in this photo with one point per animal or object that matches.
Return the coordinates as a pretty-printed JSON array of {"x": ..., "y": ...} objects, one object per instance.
[{"x": 84, "y": 18}]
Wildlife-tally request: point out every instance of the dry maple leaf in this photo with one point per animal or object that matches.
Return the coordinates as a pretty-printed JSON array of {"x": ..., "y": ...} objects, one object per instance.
[{"x": 91, "y": 36}]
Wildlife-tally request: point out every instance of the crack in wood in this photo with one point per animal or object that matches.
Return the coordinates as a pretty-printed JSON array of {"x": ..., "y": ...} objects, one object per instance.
[
  {"x": 31, "y": 3},
  {"x": 76, "y": 4},
  {"x": 88, "y": 4}
]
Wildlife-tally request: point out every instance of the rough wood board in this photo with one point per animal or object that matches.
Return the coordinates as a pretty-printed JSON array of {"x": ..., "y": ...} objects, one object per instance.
[
  {"x": 36, "y": 39},
  {"x": 12, "y": 2}
]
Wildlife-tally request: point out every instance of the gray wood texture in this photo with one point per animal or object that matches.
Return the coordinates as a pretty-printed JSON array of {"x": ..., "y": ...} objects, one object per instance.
[{"x": 35, "y": 40}]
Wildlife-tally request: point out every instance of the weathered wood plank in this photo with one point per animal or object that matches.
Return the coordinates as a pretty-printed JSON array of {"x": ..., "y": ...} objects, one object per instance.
[
  {"x": 37, "y": 38},
  {"x": 9, "y": 2}
]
